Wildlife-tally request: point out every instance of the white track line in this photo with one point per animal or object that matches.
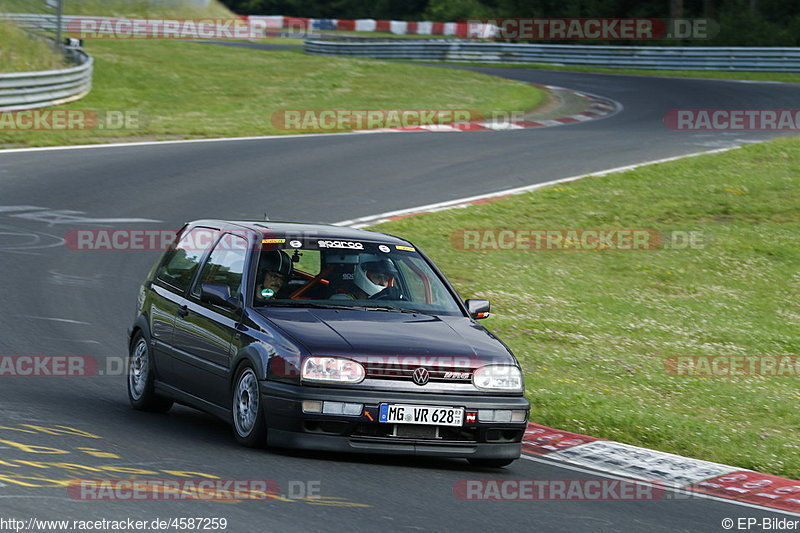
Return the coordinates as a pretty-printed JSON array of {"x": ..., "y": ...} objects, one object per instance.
[
  {"x": 180, "y": 141},
  {"x": 450, "y": 204}
]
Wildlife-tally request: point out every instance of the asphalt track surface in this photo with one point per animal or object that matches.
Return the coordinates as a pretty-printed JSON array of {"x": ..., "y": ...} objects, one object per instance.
[{"x": 56, "y": 301}]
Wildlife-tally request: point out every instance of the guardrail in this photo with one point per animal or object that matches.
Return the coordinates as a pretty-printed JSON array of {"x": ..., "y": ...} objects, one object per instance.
[
  {"x": 29, "y": 90},
  {"x": 33, "y": 21},
  {"x": 633, "y": 57}
]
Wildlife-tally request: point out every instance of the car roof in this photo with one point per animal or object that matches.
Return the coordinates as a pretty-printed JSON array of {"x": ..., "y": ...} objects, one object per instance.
[{"x": 325, "y": 231}]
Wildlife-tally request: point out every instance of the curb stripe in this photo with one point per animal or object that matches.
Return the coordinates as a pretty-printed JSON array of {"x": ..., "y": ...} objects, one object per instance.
[
  {"x": 548, "y": 460},
  {"x": 674, "y": 471},
  {"x": 597, "y": 107}
]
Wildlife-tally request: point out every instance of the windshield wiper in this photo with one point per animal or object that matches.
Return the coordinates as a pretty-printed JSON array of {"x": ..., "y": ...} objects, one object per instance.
[
  {"x": 334, "y": 306},
  {"x": 389, "y": 308},
  {"x": 305, "y": 304}
]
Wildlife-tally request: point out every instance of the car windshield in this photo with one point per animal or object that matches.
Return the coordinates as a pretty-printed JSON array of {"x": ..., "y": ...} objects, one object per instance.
[{"x": 325, "y": 272}]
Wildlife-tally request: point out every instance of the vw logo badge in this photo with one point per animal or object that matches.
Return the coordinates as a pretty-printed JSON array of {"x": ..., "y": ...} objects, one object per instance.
[{"x": 421, "y": 376}]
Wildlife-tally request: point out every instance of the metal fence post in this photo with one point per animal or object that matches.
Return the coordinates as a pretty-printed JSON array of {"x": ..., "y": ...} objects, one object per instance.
[{"x": 59, "y": 24}]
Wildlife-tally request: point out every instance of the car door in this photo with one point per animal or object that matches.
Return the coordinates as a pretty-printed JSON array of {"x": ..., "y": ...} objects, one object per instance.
[
  {"x": 173, "y": 278},
  {"x": 204, "y": 331}
]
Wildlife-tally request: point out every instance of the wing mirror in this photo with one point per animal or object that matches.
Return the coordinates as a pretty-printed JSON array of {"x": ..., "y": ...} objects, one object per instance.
[
  {"x": 478, "y": 309},
  {"x": 218, "y": 294}
]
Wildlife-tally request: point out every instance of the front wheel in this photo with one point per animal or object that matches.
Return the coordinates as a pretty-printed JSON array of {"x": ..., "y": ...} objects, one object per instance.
[
  {"x": 248, "y": 413},
  {"x": 141, "y": 391},
  {"x": 490, "y": 463}
]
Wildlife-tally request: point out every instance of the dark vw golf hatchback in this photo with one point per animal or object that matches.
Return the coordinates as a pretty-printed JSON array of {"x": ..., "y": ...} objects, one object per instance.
[{"x": 326, "y": 338}]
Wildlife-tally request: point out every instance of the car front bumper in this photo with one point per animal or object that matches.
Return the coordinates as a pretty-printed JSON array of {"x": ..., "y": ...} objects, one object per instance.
[{"x": 289, "y": 427}]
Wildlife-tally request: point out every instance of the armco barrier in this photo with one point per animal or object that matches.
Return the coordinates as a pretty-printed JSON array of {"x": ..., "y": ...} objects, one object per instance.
[
  {"x": 29, "y": 90},
  {"x": 633, "y": 57}
]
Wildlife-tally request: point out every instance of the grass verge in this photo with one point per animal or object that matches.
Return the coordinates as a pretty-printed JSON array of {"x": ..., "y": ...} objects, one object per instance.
[
  {"x": 22, "y": 52},
  {"x": 593, "y": 329},
  {"x": 189, "y": 90}
]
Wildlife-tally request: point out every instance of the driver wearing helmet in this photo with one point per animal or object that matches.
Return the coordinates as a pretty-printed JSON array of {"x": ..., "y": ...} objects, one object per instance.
[
  {"x": 372, "y": 276},
  {"x": 274, "y": 271}
]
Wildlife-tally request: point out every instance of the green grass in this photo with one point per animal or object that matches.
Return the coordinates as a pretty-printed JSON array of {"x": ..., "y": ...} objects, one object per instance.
[
  {"x": 712, "y": 74},
  {"x": 22, "y": 52},
  {"x": 186, "y": 90},
  {"x": 592, "y": 329}
]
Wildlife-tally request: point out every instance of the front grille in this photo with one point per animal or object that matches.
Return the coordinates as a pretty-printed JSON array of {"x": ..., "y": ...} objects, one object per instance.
[
  {"x": 416, "y": 432},
  {"x": 404, "y": 372},
  {"x": 413, "y": 431}
]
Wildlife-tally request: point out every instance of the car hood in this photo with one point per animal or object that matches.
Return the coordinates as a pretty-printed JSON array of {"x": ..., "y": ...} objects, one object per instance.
[{"x": 357, "y": 334}]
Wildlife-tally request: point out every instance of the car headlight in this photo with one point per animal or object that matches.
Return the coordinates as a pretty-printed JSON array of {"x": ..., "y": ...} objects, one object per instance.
[
  {"x": 498, "y": 378},
  {"x": 332, "y": 369}
]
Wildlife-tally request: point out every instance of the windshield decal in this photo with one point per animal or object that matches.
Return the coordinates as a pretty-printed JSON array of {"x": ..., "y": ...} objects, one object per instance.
[{"x": 349, "y": 245}]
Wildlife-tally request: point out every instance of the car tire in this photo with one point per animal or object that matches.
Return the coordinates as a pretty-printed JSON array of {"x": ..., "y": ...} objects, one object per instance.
[
  {"x": 247, "y": 411},
  {"x": 490, "y": 463},
  {"x": 141, "y": 376}
]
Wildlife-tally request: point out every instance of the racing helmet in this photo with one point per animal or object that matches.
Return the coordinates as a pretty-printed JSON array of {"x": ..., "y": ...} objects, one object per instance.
[
  {"x": 275, "y": 261},
  {"x": 373, "y": 274}
]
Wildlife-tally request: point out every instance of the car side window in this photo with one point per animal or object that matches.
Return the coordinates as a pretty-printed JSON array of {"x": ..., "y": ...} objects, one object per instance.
[
  {"x": 181, "y": 264},
  {"x": 225, "y": 265}
]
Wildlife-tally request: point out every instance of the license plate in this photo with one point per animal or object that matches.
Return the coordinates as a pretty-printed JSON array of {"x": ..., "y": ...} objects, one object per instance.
[{"x": 421, "y": 414}]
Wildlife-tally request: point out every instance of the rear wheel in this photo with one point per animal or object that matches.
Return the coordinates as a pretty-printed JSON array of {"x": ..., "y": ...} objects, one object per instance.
[
  {"x": 247, "y": 411},
  {"x": 141, "y": 391},
  {"x": 490, "y": 463}
]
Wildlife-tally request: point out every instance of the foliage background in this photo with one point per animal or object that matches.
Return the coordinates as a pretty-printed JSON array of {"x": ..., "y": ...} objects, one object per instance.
[{"x": 741, "y": 22}]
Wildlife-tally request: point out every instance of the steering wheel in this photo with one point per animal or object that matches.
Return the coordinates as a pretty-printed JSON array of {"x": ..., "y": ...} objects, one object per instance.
[{"x": 389, "y": 293}]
